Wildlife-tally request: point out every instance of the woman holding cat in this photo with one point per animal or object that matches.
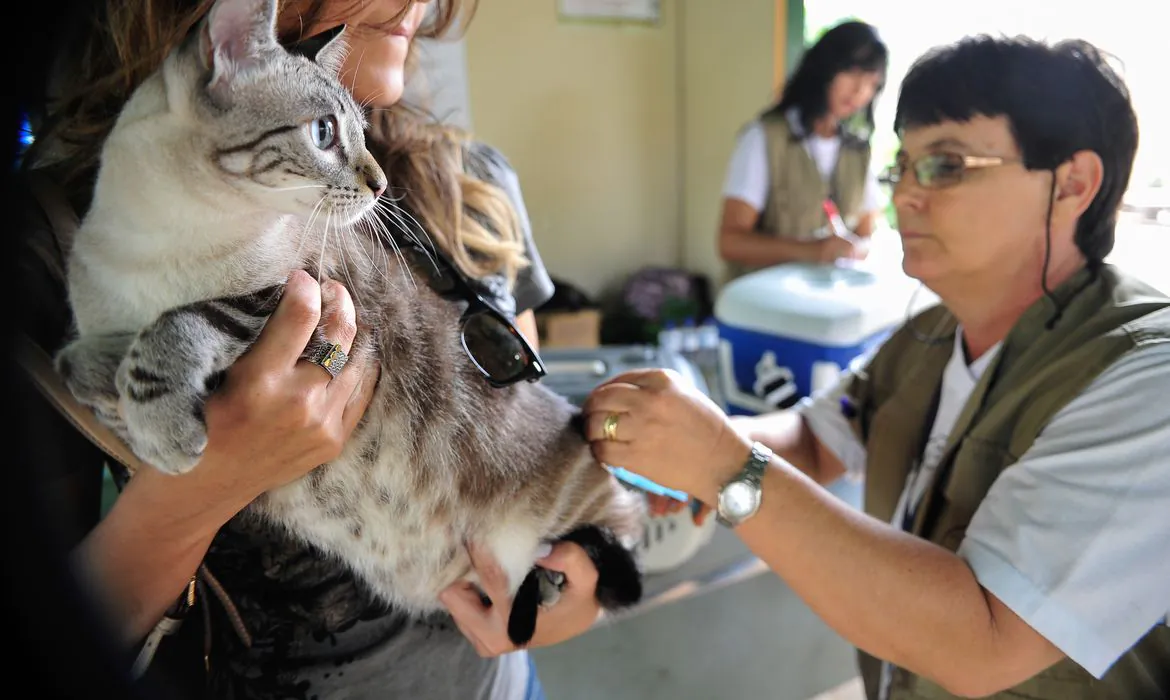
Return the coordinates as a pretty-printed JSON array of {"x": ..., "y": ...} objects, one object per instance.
[{"x": 313, "y": 630}]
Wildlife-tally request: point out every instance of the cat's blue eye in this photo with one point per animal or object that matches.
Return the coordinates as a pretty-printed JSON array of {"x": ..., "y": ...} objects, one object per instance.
[{"x": 323, "y": 132}]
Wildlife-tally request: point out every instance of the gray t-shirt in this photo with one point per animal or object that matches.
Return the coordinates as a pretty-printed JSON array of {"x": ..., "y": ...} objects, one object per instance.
[
  {"x": 317, "y": 632},
  {"x": 533, "y": 286}
]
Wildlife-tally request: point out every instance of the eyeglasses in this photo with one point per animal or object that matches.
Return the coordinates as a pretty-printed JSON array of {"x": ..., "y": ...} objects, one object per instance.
[
  {"x": 490, "y": 339},
  {"x": 939, "y": 170}
]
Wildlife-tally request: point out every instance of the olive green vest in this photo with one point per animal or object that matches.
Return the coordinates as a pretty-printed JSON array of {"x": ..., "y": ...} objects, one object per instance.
[
  {"x": 1036, "y": 372},
  {"x": 793, "y": 208}
]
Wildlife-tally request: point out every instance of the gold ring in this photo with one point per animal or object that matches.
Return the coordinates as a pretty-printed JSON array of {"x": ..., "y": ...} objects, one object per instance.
[{"x": 609, "y": 427}]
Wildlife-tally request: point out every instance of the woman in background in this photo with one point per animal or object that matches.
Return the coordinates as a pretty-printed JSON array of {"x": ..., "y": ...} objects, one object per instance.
[{"x": 810, "y": 148}]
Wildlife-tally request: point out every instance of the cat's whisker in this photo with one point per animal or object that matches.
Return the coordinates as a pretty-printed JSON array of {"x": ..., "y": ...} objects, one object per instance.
[
  {"x": 347, "y": 255},
  {"x": 324, "y": 241},
  {"x": 382, "y": 231},
  {"x": 405, "y": 272},
  {"x": 403, "y": 268},
  {"x": 312, "y": 218},
  {"x": 394, "y": 217},
  {"x": 310, "y": 222},
  {"x": 396, "y": 213},
  {"x": 356, "y": 71},
  {"x": 373, "y": 226},
  {"x": 391, "y": 187},
  {"x": 345, "y": 272},
  {"x": 370, "y": 100},
  {"x": 340, "y": 241},
  {"x": 386, "y": 195},
  {"x": 421, "y": 229},
  {"x": 299, "y": 187}
]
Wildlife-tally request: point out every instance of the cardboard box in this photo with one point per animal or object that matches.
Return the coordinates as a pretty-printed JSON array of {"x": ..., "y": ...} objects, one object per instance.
[{"x": 569, "y": 329}]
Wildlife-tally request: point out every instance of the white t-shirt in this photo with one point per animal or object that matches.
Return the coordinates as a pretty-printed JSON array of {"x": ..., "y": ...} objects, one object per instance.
[
  {"x": 1074, "y": 538},
  {"x": 747, "y": 173},
  {"x": 959, "y": 380}
]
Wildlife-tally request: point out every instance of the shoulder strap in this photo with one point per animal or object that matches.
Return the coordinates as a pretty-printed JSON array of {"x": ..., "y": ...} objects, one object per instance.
[
  {"x": 36, "y": 363},
  {"x": 63, "y": 224}
]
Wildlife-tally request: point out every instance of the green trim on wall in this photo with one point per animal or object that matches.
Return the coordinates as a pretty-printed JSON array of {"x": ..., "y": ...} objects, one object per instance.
[{"x": 794, "y": 39}]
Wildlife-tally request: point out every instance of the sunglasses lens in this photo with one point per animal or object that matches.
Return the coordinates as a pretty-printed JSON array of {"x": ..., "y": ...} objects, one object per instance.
[{"x": 494, "y": 347}]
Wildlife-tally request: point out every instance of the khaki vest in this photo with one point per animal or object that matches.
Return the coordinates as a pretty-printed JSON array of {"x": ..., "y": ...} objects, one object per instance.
[
  {"x": 1035, "y": 373},
  {"x": 793, "y": 208}
]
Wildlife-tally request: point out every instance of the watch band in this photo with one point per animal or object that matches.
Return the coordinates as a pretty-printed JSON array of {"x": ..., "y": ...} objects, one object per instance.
[
  {"x": 752, "y": 473},
  {"x": 757, "y": 463}
]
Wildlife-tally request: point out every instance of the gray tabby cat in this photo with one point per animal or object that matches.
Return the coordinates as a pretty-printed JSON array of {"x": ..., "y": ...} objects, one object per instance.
[{"x": 211, "y": 188}]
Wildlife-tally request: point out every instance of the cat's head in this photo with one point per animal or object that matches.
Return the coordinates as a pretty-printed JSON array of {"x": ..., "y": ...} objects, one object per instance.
[{"x": 284, "y": 129}]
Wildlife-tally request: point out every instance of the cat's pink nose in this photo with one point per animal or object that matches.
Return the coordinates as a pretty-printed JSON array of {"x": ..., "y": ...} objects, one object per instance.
[
  {"x": 374, "y": 177},
  {"x": 377, "y": 185}
]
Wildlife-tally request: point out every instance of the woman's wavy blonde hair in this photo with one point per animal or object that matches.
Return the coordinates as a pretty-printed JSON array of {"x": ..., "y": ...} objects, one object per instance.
[{"x": 125, "y": 41}]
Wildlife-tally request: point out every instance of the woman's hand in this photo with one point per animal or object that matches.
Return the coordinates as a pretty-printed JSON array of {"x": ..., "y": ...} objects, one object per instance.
[
  {"x": 486, "y": 626},
  {"x": 277, "y": 414},
  {"x": 833, "y": 248},
  {"x": 666, "y": 430}
]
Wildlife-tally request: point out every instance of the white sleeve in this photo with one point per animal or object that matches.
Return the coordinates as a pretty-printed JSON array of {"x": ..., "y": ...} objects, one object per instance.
[
  {"x": 747, "y": 173},
  {"x": 824, "y": 415},
  {"x": 1075, "y": 537}
]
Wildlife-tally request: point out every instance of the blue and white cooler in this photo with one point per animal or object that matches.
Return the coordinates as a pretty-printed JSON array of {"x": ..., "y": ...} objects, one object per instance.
[{"x": 789, "y": 330}]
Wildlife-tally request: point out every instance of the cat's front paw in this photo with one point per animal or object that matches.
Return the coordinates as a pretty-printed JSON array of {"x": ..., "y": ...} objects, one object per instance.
[
  {"x": 88, "y": 367},
  {"x": 166, "y": 430}
]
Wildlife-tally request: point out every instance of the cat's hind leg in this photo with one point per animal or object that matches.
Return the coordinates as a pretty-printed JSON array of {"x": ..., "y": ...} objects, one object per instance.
[
  {"x": 619, "y": 577},
  {"x": 619, "y": 581}
]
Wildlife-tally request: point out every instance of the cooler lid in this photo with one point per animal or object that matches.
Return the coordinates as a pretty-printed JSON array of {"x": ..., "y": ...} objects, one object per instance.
[{"x": 838, "y": 305}]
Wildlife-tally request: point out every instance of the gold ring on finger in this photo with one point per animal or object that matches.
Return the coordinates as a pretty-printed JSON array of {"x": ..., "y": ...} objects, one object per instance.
[{"x": 609, "y": 427}]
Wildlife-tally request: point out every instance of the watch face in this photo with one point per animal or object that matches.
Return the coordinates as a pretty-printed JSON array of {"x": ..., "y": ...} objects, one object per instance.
[{"x": 739, "y": 499}]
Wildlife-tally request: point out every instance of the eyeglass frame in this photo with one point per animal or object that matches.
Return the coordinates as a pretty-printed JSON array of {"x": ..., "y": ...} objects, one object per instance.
[
  {"x": 462, "y": 290},
  {"x": 897, "y": 171}
]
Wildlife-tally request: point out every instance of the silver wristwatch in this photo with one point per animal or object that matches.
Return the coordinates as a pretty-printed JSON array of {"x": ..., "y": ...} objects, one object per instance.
[{"x": 739, "y": 499}]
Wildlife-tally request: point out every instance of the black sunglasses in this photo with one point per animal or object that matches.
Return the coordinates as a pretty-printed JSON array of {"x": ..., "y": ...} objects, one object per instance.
[{"x": 490, "y": 339}]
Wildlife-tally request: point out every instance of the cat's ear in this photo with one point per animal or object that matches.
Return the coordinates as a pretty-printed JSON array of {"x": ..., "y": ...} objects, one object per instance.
[
  {"x": 328, "y": 49},
  {"x": 236, "y": 36}
]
